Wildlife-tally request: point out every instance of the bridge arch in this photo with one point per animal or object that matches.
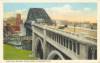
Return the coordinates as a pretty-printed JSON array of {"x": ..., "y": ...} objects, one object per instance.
[
  {"x": 55, "y": 55},
  {"x": 39, "y": 48}
]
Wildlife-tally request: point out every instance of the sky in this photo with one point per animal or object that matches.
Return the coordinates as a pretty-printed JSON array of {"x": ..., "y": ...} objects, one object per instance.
[{"x": 74, "y": 12}]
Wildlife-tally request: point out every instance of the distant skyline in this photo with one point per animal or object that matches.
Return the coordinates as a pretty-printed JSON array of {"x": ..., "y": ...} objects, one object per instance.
[{"x": 60, "y": 11}]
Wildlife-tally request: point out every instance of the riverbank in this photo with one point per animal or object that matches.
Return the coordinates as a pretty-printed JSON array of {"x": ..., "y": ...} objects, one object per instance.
[{"x": 11, "y": 53}]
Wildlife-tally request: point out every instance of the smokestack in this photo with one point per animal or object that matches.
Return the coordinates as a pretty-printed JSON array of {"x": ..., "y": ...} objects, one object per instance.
[
  {"x": 18, "y": 19},
  {"x": 18, "y": 22}
]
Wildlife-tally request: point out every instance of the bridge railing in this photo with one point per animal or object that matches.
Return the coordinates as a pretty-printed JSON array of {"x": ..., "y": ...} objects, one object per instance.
[
  {"x": 39, "y": 29},
  {"x": 74, "y": 45},
  {"x": 81, "y": 47}
]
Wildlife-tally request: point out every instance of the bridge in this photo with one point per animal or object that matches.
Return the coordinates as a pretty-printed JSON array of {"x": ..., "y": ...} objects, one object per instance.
[
  {"x": 52, "y": 43},
  {"x": 49, "y": 43}
]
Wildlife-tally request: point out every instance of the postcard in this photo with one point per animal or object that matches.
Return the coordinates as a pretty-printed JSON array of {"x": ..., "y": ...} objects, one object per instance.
[{"x": 49, "y": 32}]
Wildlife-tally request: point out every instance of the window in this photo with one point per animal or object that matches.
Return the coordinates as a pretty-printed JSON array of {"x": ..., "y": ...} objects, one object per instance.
[
  {"x": 70, "y": 45},
  {"x": 78, "y": 48},
  {"x": 64, "y": 41},
  {"x": 74, "y": 46},
  {"x": 89, "y": 53},
  {"x": 57, "y": 38},
  {"x": 95, "y": 54},
  {"x": 92, "y": 53},
  {"x": 67, "y": 42}
]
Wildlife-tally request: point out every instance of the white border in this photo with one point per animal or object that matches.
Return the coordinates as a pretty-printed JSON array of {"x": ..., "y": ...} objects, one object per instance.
[{"x": 48, "y": 61}]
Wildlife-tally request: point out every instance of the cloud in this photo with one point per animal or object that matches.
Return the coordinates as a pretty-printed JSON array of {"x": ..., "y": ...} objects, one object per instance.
[
  {"x": 8, "y": 14},
  {"x": 13, "y": 14},
  {"x": 67, "y": 12},
  {"x": 87, "y": 9},
  {"x": 62, "y": 12},
  {"x": 67, "y": 6},
  {"x": 23, "y": 13}
]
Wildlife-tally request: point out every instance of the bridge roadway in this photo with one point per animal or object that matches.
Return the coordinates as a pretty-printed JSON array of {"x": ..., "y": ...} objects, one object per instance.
[{"x": 49, "y": 43}]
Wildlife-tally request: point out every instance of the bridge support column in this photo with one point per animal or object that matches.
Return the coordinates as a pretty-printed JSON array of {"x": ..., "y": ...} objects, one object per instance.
[
  {"x": 83, "y": 52},
  {"x": 45, "y": 44},
  {"x": 33, "y": 41}
]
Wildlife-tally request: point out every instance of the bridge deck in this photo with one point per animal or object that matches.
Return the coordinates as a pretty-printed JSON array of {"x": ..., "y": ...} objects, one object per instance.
[
  {"x": 80, "y": 46},
  {"x": 78, "y": 36},
  {"x": 82, "y": 32}
]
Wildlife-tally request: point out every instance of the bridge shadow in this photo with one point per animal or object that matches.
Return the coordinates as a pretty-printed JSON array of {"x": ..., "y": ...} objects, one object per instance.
[{"x": 39, "y": 50}]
